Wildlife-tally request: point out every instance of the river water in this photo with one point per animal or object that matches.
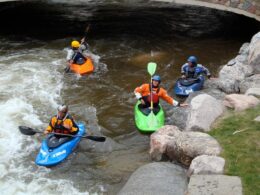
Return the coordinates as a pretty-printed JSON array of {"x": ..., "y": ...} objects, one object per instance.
[{"x": 124, "y": 36}]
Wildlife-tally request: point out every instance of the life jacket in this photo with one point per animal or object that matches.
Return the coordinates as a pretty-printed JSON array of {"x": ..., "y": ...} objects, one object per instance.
[
  {"x": 154, "y": 95},
  {"x": 193, "y": 72},
  {"x": 78, "y": 57},
  {"x": 59, "y": 128}
]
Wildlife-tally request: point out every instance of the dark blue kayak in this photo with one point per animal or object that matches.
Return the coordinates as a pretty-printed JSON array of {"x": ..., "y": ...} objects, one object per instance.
[
  {"x": 184, "y": 87},
  {"x": 55, "y": 150}
]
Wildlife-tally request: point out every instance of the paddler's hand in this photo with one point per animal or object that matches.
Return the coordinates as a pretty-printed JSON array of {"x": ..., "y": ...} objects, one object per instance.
[
  {"x": 46, "y": 132},
  {"x": 67, "y": 126},
  {"x": 183, "y": 105}
]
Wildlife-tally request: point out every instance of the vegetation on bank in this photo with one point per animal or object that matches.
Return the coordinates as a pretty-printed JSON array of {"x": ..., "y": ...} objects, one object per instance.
[{"x": 239, "y": 136}]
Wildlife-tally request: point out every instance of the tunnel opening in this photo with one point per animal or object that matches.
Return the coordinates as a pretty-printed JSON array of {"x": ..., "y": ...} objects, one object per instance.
[{"x": 53, "y": 20}]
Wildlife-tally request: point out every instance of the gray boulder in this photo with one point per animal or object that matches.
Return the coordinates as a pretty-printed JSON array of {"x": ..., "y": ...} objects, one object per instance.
[
  {"x": 254, "y": 53},
  {"x": 204, "y": 109},
  {"x": 206, "y": 164},
  {"x": 156, "y": 178}
]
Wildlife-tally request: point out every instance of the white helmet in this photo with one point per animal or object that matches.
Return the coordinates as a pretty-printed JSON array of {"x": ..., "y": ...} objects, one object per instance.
[{"x": 63, "y": 108}]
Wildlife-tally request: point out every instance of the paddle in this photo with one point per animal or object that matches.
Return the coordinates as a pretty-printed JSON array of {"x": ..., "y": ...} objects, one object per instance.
[
  {"x": 151, "y": 67},
  {"x": 30, "y": 131}
]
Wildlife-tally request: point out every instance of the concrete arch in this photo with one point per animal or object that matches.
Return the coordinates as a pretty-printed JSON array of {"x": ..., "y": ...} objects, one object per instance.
[{"x": 250, "y": 8}]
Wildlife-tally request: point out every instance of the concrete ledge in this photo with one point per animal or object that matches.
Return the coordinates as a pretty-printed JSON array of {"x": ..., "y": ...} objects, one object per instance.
[{"x": 214, "y": 184}]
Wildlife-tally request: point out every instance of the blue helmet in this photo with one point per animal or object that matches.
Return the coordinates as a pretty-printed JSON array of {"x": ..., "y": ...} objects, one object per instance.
[
  {"x": 156, "y": 78},
  {"x": 192, "y": 59}
]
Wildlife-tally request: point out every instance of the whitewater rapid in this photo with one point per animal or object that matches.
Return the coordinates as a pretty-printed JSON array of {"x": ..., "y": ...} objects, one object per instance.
[{"x": 31, "y": 84}]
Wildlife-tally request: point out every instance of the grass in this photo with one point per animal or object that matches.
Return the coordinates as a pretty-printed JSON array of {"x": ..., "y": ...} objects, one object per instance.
[{"x": 239, "y": 136}]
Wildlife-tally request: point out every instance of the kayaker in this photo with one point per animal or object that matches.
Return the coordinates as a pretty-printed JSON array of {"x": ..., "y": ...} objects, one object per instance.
[
  {"x": 192, "y": 69},
  {"x": 143, "y": 93},
  {"x": 63, "y": 122},
  {"x": 76, "y": 54}
]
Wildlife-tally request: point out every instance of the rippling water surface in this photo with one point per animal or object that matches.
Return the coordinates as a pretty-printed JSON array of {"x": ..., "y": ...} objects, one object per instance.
[{"x": 123, "y": 37}]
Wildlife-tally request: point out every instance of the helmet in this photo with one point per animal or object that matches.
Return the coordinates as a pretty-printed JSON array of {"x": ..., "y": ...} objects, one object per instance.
[
  {"x": 192, "y": 59},
  {"x": 63, "y": 108},
  {"x": 75, "y": 44},
  {"x": 156, "y": 78}
]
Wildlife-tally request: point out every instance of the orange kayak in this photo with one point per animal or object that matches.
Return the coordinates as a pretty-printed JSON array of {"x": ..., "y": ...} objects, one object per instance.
[{"x": 82, "y": 69}]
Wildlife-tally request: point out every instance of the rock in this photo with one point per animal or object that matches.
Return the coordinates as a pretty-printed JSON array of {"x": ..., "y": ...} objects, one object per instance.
[
  {"x": 206, "y": 164},
  {"x": 231, "y": 76},
  {"x": 244, "y": 49},
  {"x": 156, "y": 178},
  {"x": 257, "y": 119},
  {"x": 170, "y": 142},
  {"x": 253, "y": 91},
  {"x": 214, "y": 184},
  {"x": 240, "y": 102},
  {"x": 254, "y": 53},
  {"x": 204, "y": 111},
  {"x": 250, "y": 82},
  {"x": 108, "y": 146}
]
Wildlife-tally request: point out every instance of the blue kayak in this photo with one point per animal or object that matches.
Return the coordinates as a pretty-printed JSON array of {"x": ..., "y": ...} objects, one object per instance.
[
  {"x": 184, "y": 87},
  {"x": 55, "y": 150}
]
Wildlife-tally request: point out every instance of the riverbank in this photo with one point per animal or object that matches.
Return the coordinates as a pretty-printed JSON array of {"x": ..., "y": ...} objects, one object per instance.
[{"x": 238, "y": 134}]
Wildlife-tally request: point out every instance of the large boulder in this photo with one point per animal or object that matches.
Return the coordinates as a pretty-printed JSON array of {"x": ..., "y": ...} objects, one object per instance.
[
  {"x": 230, "y": 76},
  {"x": 173, "y": 144},
  {"x": 214, "y": 184},
  {"x": 204, "y": 111},
  {"x": 206, "y": 164},
  {"x": 156, "y": 178},
  {"x": 240, "y": 102},
  {"x": 254, "y": 53}
]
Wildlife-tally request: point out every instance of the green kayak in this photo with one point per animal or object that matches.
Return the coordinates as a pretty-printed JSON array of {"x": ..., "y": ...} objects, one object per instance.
[{"x": 147, "y": 121}]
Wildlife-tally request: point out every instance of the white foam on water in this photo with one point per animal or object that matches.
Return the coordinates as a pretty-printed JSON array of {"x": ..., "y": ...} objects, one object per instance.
[{"x": 29, "y": 87}]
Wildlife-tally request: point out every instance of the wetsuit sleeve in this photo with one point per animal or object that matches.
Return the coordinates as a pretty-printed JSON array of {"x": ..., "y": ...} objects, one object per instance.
[
  {"x": 51, "y": 125},
  {"x": 206, "y": 70},
  {"x": 69, "y": 55},
  {"x": 183, "y": 68},
  {"x": 74, "y": 128},
  {"x": 164, "y": 95},
  {"x": 138, "y": 91}
]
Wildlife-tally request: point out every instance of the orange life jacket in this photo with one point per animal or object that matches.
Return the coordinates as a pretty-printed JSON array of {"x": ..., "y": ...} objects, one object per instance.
[{"x": 154, "y": 95}]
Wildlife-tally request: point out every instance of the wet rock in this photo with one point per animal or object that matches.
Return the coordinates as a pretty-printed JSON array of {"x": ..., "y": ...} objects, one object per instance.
[
  {"x": 108, "y": 146},
  {"x": 206, "y": 164},
  {"x": 156, "y": 178},
  {"x": 240, "y": 102},
  {"x": 170, "y": 142},
  {"x": 214, "y": 184}
]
